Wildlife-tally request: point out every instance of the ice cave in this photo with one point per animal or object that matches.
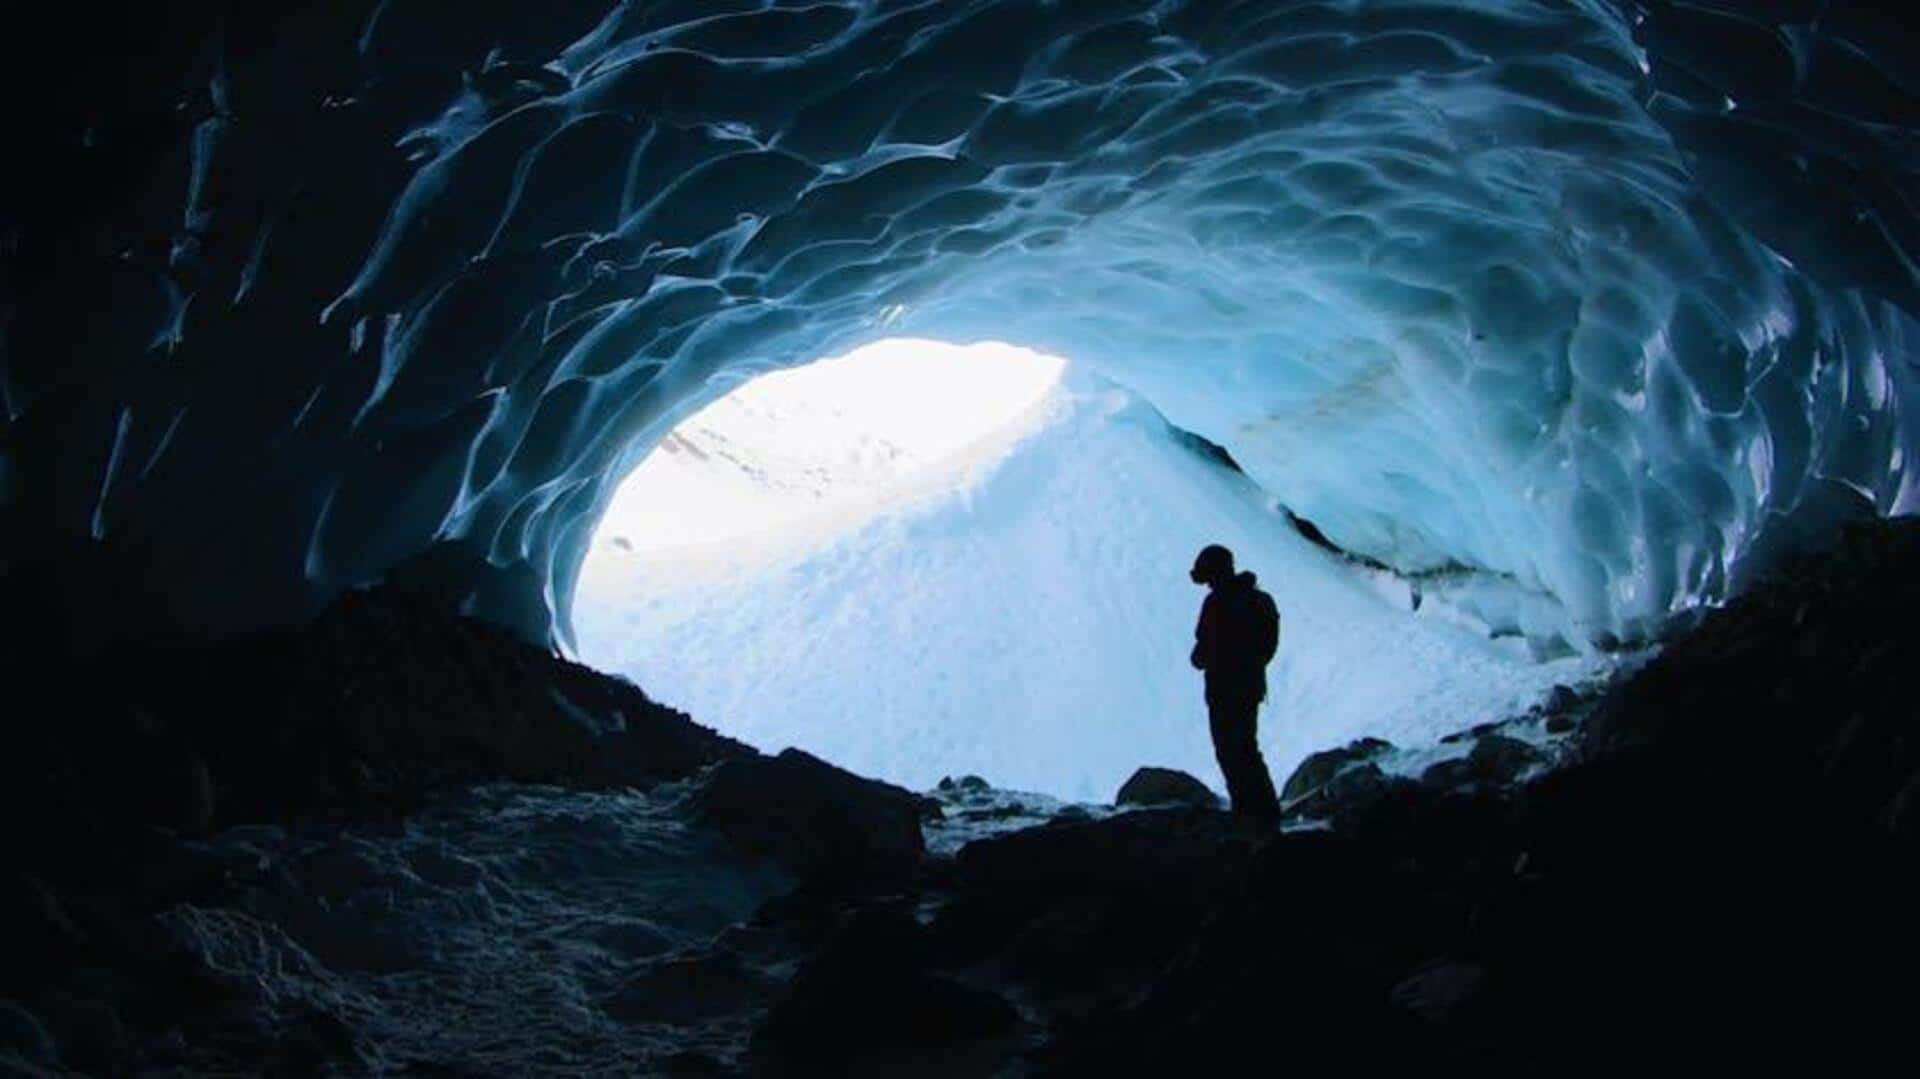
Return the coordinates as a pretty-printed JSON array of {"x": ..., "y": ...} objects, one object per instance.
[{"x": 652, "y": 536}]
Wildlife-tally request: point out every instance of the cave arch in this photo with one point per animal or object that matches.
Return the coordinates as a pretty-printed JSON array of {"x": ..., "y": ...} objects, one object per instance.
[{"x": 1441, "y": 279}]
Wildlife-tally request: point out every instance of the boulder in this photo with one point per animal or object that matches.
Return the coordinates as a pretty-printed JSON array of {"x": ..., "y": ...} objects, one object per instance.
[
  {"x": 688, "y": 989},
  {"x": 1561, "y": 709},
  {"x": 341, "y": 871},
  {"x": 1440, "y": 990},
  {"x": 1318, "y": 769},
  {"x": 22, "y": 1037},
  {"x": 816, "y": 820},
  {"x": 1498, "y": 759},
  {"x": 1165, "y": 786},
  {"x": 88, "y": 1032},
  {"x": 1174, "y": 854},
  {"x": 692, "y": 1064},
  {"x": 1561, "y": 699},
  {"x": 1357, "y": 785},
  {"x": 1448, "y": 774},
  {"x": 869, "y": 988},
  {"x": 43, "y": 938},
  {"x": 964, "y": 783},
  {"x": 1903, "y": 812}
]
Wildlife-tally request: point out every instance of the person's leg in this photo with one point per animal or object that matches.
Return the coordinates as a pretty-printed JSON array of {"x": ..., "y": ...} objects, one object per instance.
[
  {"x": 1237, "y": 744},
  {"x": 1262, "y": 802},
  {"x": 1220, "y": 720}
]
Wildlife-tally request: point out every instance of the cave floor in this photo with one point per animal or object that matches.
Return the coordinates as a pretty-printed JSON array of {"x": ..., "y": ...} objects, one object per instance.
[{"x": 397, "y": 842}]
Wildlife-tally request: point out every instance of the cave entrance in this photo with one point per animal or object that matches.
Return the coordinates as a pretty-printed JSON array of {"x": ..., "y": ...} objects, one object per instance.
[
  {"x": 797, "y": 457},
  {"x": 924, "y": 559}
]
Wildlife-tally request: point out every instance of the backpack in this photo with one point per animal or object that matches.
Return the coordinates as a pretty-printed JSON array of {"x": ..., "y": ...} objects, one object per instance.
[
  {"x": 1264, "y": 619},
  {"x": 1252, "y": 626}
]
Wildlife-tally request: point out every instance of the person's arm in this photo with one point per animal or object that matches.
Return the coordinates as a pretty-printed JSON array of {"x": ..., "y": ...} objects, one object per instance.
[{"x": 1202, "y": 637}]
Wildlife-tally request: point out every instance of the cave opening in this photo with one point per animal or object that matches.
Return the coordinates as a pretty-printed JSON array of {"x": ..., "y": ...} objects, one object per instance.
[{"x": 923, "y": 559}]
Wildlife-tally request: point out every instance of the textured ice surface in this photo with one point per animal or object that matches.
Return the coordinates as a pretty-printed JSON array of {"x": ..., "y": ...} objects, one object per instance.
[
  {"x": 1476, "y": 287},
  {"x": 1019, "y": 610}
]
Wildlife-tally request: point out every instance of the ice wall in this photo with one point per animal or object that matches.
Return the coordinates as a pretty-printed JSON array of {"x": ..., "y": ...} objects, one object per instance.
[{"x": 1582, "y": 309}]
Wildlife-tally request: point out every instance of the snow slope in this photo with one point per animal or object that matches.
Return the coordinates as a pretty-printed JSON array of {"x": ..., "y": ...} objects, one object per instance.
[{"x": 1018, "y": 609}]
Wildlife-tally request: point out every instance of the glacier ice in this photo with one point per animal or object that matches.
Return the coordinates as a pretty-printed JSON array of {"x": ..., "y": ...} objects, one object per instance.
[
  {"x": 1500, "y": 294},
  {"x": 911, "y": 604}
]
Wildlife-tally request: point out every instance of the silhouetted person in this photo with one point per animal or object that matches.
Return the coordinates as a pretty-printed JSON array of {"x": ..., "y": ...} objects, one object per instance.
[{"x": 1238, "y": 632}]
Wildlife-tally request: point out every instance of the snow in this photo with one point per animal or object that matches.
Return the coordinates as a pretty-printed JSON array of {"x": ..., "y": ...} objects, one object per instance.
[
  {"x": 810, "y": 450},
  {"x": 1018, "y": 608}
]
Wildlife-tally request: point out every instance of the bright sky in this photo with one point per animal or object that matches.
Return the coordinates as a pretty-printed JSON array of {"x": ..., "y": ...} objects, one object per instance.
[{"x": 833, "y": 442}]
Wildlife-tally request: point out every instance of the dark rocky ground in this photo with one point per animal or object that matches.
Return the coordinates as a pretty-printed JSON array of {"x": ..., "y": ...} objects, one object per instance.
[{"x": 1715, "y": 867}]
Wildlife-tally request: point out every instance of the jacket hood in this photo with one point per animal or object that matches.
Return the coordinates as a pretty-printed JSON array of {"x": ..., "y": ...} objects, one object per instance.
[{"x": 1245, "y": 579}]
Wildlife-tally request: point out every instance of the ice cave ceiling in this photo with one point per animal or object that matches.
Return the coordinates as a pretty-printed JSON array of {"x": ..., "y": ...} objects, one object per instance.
[{"x": 1593, "y": 304}]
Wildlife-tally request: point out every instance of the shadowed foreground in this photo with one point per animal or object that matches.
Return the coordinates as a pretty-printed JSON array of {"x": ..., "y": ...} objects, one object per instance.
[{"x": 1722, "y": 872}]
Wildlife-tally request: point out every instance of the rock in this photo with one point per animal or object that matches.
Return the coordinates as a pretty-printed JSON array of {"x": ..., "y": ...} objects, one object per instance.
[
  {"x": 1475, "y": 732},
  {"x": 1165, "y": 786},
  {"x": 92, "y": 1035},
  {"x": 43, "y": 937},
  {"x": 1085, "y": 944},
  {"x": 1561, "y": 708},
  {"x": 314, "y": 1041},
  {"x": 688, "y": 989},
  {"x": 1354, "y": 786},
  {"x": 441, "y": 866},
  {"x": 340, "y": 872},
  {"x": 693, "y": 1064},
  {"x": 1319, "y": 768},
  {"x": 196, "y": 795},
  {"x": 816, "y": 820},
  {"x": 819, "y": 1027},
  {"x": 22, "y": 1036},
  {"x": 1171, "y": 853},
  {"x": 635, "y": 937},
  {"x": 964, "y": 783},
  {"x": 869, "y": 988},
  {"x": 1903, "y": 810},
  {"x": 1498, "y": 759},
  {"x": 1448, "y": 774},
  {"x": 1372, "y": 802},
  {"x": 1005, "y": 811},
  {"x": 1438, "y": 992}
]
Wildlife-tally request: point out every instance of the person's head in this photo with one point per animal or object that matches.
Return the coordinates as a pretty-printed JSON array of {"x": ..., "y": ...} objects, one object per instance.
[{"x": 1213, "y": 567}]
